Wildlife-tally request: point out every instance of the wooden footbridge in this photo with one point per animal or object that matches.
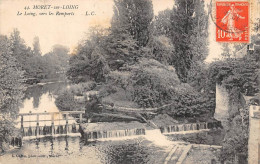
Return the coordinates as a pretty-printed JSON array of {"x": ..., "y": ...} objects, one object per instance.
[{"x": 37, "y": 125}]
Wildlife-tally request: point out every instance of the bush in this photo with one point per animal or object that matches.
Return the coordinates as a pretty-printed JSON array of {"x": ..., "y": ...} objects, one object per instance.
[
  {"x": 66, "y": 102},
  {"x": 148, "y": 84}
]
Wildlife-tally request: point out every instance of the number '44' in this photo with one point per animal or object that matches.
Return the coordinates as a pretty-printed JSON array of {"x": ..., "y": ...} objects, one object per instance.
[{"x": 26, "y": 8}]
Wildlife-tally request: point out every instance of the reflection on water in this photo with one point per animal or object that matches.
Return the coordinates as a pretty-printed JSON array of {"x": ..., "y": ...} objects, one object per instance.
[
  {"x": 66, "y": 149},
  {"x": 75, "y": 150},
  {"x": 46, "y": 104},
  {"x": 41, "y": 99}
]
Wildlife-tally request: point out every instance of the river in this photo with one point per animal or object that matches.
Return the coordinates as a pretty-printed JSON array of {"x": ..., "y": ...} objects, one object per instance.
[
  {"x": 41, "y": 98},
  {"x": 75, "y": 150}
]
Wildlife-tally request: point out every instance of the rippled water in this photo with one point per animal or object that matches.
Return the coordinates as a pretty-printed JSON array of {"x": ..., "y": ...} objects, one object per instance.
[{"x": 75, "y": 150}]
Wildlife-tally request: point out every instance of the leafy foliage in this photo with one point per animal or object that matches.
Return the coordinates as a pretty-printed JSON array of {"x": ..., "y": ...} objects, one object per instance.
[
  {"x": 66, "y": 100},
  {"x": 153, "y": 83},
  {"x": 120, "y": 49},
  {"x": 236, "y": 139},
  {"x": 162, "y": 23},
  {"x": 241, "y": 73},
  {"x": 148, "y": 83},
  {"x": 134, "y": 17},
  {"x": 10, "y": 80},
  {"x": 36, "y": 47},
  {"x": 159, "y": 48},
  {"x": 117, "y": 48},
  {"x": 124, "y": 59},
  {"x": 88, "y": 64},
  {"x": 189, "y": 36},
  {"x": 33, "y": 64},
  {"x": 11, "y": 90},
  {"x": 237, "y": 76}
]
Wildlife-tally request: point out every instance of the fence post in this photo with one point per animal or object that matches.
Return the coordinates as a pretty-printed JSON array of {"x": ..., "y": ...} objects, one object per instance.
[
  {"x": 52, "y": 124},
  {"x": 67, "y": 123},
  {"x": 37, "y": 126},
  {"x": 22, "y": 129}
]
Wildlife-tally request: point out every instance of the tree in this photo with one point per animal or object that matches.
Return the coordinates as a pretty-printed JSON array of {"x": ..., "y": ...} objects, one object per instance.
[
  {"x": 11, "y": 90},
  {"x": 57, "y": 59},
  {"x": 162, "y": 23},
  {"x": 20, "y": 51},
  {"x": 66, "y": 100},
  {"x": 36, "y": 46},
  {"x": 119, "y": 49},
  {"x": 130, "y": 30},
  {"x": 189, "y": 36},
  {"x": 148, "y": 83},
  {"x": 159, "y": 48},
  {"x": 153, "y": 83},
  {"x": 237, "y": 76},
  {"x": 135, "y": 17},
  {"x": 88, "y": 64}
]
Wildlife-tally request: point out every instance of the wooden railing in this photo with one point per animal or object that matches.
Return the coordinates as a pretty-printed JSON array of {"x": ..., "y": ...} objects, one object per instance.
[{"x": 66, "y": 113}]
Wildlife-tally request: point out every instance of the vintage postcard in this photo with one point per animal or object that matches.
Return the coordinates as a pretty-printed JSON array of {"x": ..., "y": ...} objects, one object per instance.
[{"x": 129, "y": 81}]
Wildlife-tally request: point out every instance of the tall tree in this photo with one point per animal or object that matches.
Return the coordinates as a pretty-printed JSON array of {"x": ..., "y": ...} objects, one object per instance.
[
  {"x": 36, "y": 46},
  {"x": 162, "y": 23},
  {"x": 58, "y": 57},
  {"x": 20, "y": 51},
  {"x": 88, "y": 64},
  {"x": 11, "y": 90},
  {"x": 134, "y": 16},
  {"x": 189, "y": 36},
  {"x": 18, "y": 47},
  {"x": 119, "y": 48}
]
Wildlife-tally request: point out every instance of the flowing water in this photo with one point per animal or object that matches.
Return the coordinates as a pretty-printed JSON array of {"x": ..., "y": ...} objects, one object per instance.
[
  {"x": 65, "y": 149},
  {"x": 76, "y": 150}
]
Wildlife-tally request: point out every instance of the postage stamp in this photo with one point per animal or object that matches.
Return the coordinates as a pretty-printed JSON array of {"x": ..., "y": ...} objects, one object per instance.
[{"x": 232, "y": 21}]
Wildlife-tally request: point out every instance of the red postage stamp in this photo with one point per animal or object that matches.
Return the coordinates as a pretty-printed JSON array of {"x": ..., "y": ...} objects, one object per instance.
[{"x": 232, "y": 21}]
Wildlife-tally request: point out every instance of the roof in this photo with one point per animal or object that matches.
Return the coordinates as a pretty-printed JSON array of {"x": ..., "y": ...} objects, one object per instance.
[{"x": 252, "y": 99}]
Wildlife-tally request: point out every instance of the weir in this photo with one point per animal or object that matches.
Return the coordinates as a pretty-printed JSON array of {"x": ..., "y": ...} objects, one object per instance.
[
  {"x": 61, "y": 123},
  {"x": 50, "y": 130},
  {"x": 109, "y": 131},
  {"x": 95, "y": 135},
  {"x": 36, "y": 125},
  {"x": 191, "y": 127}
]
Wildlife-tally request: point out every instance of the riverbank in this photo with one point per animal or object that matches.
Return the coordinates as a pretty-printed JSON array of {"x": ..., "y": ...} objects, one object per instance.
[{"x": 41, "y": 83}]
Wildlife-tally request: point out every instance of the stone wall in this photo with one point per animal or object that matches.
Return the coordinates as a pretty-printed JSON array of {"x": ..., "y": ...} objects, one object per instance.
[
  {"x": 254, "y": 135},
  {"x": 222, "y": 104}
]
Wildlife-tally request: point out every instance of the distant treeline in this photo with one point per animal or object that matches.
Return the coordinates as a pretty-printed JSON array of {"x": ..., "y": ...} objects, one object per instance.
[{"x": 35, "y": 64}]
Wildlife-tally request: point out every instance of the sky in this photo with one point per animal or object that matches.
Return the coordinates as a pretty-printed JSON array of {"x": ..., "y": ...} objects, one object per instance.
[{"x": 69, "y": 30}]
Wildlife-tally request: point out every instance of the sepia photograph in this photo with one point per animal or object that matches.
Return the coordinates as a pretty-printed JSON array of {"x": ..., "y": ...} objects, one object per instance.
[{"x": 129, "y": 81}]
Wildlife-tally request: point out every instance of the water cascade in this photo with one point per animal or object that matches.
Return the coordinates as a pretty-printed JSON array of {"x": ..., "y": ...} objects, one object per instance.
[
  {"x": 157, "y": 137},
  {"x": 94, "y": 135},
  {"x": 49, "y": 130},
  {"x": 185, "y": 127}
]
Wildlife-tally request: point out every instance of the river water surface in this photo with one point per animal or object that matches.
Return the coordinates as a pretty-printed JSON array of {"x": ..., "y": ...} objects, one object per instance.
[
  {"x": 75, "y": 150},
  {"x": 41, "y": 98}
]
